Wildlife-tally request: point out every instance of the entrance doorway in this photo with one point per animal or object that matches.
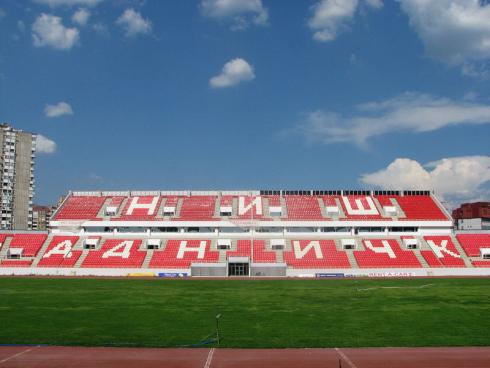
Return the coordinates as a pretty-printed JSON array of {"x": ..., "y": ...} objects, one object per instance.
[{"x": 237, "y": 269}]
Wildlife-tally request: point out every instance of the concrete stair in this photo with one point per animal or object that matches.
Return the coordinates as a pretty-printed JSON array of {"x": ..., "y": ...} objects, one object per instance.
[
  {"x": 178, "y": 207},
  {"x": 352, "y": 258},
  {"x": 79, "y": 244},
  {"x": 149, "y": 255},
  {"x": 41, "y": 252},
  {"x": 279, "y": 256},
  {"x": 217, "y": 206},
  {"x": 459, "y": 248},
  {"x": 222, "y": 256},
  {"x": 144, "y": 245},
  {"x": 399, "y": 210},
  {"x": 341, "y": 210},
  {"x": 381, "y": 210},
  {"x": 323, "y": 210},
  {"x": 121, "y": 207},
  {"x": 159, "y": 212},
  {"x": 82, "y": 258},
  {"x": 284, "y": 208},
  {"x": 5, "y": 247},
  {"x": 349, "y": 252},
  {"x": 101, "y": 213},
  {"x": 234, "y": 208},
  {"x": 423, "y": 243},
  {"x": 265, "y": 204},
  {"x": 421, "y": 258}
]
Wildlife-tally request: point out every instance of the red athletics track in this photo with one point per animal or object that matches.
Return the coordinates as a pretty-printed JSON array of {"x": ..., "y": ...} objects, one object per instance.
[{"x": 82, "y": 357}]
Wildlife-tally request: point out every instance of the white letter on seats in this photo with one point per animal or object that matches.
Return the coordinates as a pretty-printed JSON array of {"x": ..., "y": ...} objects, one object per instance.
[
  {"x": 201, "y": 249},
  {"x": 149, "y": 206},
  {"x": 63, "y": 248},
  {"x": 114, "y": 252},
  {"x": 438, "y": 249},
  {"x": 300, "y": 253},
  {"x": 360, "y": 207},
  {"x": 256, "y": 202},
  {"x": 384, "y": 249}
]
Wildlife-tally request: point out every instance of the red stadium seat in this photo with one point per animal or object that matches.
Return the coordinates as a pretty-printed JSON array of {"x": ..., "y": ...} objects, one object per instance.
[
  {"x": 420, "y": 207},
  {"x": 315, "y": 254},
  {"x": 198, "y": 208},
  {"x": 144, "y": 208},
  {"x": 116, "y": 253},
  {"x": 472, "y": 243},
  {"x": 59, "y": 252},
  {"x": 80, "y": 208},
  {"x": 31, "y": 243},
  {"x": 385, "y": 253},
  {"x": 303, "y": 208},
  {"x": 181, "y": 253},
  {"x": 443, "y": 253}
]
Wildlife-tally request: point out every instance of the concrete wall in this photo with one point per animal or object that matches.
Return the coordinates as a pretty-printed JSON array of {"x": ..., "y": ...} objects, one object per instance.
[
  {"x": 392, "y": 272},
  {"x": 52, "y": 271},
  {"x": 209, "y": 270},
  {"x": 388, "y": 272}
]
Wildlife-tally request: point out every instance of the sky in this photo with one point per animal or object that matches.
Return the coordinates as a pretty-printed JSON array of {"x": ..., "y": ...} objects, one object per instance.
[{"x": 251, "y": 94}]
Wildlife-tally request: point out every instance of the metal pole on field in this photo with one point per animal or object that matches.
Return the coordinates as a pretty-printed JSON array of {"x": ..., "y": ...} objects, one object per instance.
[{"x": 218, "y": 316}]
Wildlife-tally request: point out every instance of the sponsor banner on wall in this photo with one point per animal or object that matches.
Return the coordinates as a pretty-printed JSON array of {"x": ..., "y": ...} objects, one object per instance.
[
  {"x": 391, "y": 274},
  {"x": 172, "y": 274},
  {"x": 141, "y": 274},
  {"x": 329, "y": 275}
]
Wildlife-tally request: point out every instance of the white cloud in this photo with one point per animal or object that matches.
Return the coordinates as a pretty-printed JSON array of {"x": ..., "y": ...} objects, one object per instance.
[
  {"x": 470, "y": 96},
  {"x": 45, "y": 145},
  {"x": 453, "y": 31},
  {"x": 454, "y": 179},
  {"x": 55, "y": 3},
  {"x": 233, "y": 72},
  {"x": 353, "y": 59},
  {"x": 2, "y": 14},
  {"x": 81, "y": 16},
  {"x": 133, "y": 23},
  {"x": 48, "y": 30},
  {"x": 95, "y": 177},
  {"x": 329, "y": 16},
  {"x": 377, "y": 4},
  {"x": 21, "y": 26},
  {"x": 101, "y": 29},
  {"x": 332, "y": 16},
  {"x": 60, "y": 109},
  {"x": 476, "y": 69},
  {"x": 409, "y": 112},
  {"x": 239, "y": 13}
]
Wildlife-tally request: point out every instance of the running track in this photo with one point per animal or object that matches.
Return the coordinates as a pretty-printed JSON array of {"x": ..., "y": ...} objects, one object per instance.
[{"x": 81, "y": 357}]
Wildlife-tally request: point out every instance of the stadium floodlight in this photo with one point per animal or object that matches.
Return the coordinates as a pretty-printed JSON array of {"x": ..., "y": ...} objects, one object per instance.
[{"x": 218, "y": 316}]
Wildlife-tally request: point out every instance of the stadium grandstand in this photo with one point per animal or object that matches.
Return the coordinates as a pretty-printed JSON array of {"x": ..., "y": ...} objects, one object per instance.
[{"x": 248, "y": 233}]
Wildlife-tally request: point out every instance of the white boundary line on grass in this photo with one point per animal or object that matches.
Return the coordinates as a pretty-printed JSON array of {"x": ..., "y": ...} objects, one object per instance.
[
  {"x": 397, "y": 287},
  {"x": 346, "y": 358}
]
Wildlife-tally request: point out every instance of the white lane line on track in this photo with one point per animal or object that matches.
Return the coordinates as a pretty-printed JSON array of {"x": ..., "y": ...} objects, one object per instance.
[
  {"x": 18, "y": 354},
  {"x": 209, "y": 359},
  {"x": 346, "y": 358}
]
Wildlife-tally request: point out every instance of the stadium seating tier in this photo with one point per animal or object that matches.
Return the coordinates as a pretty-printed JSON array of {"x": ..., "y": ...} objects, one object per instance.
[{"x": 298, "y": 207}]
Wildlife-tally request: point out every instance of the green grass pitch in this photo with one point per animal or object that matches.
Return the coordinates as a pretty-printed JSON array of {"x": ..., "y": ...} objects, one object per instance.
[{"x": 255, "y": 313}]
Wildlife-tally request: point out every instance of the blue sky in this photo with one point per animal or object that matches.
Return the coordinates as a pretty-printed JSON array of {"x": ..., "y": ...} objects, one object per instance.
[{"x": 240, "y": 94}]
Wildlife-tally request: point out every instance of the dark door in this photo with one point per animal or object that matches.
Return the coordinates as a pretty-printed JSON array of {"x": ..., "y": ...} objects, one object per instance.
[{"x": 238, "y": 269}]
